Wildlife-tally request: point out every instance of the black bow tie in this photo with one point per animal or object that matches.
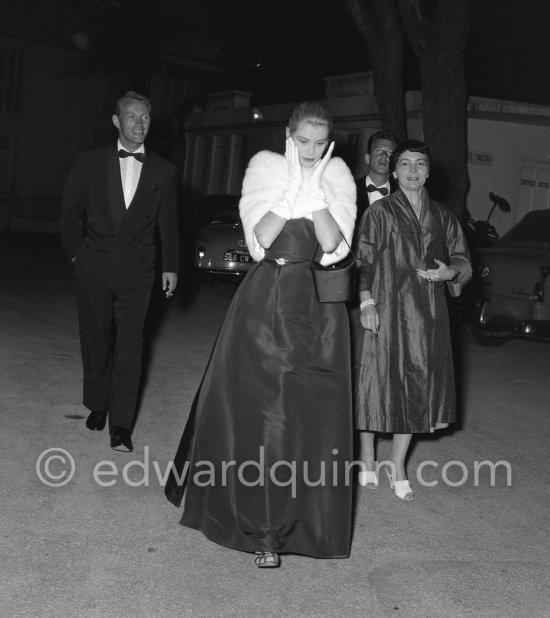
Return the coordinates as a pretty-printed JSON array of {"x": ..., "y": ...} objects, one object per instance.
[
  {"x": 381, "y": 190},
  {"x": 140, "y": 156}
]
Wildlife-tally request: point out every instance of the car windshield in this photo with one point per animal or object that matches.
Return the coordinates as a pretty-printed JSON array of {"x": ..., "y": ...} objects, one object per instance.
[
  {"x": 211, "y": 215},
  {"x": 531, "y": 230}
]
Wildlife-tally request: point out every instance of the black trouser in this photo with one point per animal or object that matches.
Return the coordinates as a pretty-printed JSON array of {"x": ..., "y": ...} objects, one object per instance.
[{"x": 111, "y": 324}]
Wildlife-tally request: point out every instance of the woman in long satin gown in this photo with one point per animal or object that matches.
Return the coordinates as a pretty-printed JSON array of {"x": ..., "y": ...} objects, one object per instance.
[
  {"x": 410, "y": 248},
  {"x": 266, "y": 447}
]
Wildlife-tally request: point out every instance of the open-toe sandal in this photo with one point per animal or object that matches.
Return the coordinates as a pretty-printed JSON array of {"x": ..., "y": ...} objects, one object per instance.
[{"x": 267, "y": 560}]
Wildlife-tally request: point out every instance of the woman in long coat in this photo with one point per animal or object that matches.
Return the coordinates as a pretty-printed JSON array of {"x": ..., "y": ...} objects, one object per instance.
[{"x": 410, "y": 248}]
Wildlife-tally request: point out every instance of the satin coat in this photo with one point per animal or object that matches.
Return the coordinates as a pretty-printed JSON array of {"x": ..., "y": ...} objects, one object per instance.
[{"x": 406, "y": 379}]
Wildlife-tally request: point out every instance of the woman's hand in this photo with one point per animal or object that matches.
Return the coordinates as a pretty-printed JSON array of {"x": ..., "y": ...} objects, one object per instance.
[
  {"x": 282, "y": 207},
  {"x": 319, "y": 168},
  {"x": 370, "y": 318},
  {"x": 294, "y": 167},
  {"x": 441, "y": 273},
  {"x": 318, "y": 199}
]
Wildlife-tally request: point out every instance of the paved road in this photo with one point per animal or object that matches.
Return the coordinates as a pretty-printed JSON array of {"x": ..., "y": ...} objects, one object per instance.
[{"x": 109, "y": 544}]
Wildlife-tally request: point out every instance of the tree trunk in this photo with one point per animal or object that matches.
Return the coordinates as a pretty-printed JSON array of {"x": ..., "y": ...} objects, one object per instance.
[
  {"x": 379, "y": 24},
  {"x": 439, "y": 46}
]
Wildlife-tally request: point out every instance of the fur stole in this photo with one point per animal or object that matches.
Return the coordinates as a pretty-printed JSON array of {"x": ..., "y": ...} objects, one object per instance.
[{"x": 265, "y": 178}]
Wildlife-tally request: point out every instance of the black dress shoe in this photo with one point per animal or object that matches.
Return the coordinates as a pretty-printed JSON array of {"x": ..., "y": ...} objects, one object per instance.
[
  {"x": 121, "y": 440},
  {"x": 96, "y": 420}
]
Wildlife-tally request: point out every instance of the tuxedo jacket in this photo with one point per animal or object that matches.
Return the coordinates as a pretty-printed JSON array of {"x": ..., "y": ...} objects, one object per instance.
[
  {"x": 363, "y": 196},
  {"x": 115, "y": 243}
]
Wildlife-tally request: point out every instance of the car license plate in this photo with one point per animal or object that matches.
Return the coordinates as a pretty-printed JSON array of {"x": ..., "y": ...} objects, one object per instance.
[{"x": 237, "y": 256}]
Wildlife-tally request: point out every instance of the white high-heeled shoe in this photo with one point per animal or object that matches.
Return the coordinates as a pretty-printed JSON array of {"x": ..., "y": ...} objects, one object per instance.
[
  {"x": 368, "y": 478},
  {"x": 402, "y": 489}
]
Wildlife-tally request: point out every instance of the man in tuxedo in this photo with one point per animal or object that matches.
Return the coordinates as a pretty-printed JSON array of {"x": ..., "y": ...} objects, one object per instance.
[
  {"x": 376, "y": 183},
  {"x": 118, "y": 202}
]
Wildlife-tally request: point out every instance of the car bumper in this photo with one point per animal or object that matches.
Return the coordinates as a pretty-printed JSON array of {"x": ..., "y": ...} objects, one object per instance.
[
  {"x": 216, "y": 270},
  {"x": 465, "y": 308},
  {"x": 508, "y": 326}
]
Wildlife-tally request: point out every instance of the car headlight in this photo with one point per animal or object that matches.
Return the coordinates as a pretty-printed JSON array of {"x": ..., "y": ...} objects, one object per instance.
[{"x": 483, "y": 271}]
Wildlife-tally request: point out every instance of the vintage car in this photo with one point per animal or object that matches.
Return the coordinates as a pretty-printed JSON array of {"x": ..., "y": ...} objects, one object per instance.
[
  {"x": 220, "y": 247},
  {"x": 512, "y": 278}
]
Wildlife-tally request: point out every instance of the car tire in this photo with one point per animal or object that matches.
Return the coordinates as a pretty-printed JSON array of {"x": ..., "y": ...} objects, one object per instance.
[{"x": 485, "y": 339}]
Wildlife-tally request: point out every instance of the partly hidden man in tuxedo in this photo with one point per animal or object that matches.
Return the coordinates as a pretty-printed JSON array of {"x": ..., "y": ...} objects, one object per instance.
[
  {"x": 376, "y": 183},
  {"x": 118, "y": 202},
  {"x": 373, "y": 186}
]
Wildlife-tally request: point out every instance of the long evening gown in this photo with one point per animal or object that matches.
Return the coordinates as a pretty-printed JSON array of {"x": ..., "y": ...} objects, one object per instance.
[{"x": 276, "y": 394}]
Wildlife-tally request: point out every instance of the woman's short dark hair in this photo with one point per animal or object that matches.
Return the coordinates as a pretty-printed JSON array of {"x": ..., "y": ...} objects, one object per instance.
[
  {"x": 412, "y": 145},
  {"x": 134, "y": 96},
  {"x": 309, "y": 111}
]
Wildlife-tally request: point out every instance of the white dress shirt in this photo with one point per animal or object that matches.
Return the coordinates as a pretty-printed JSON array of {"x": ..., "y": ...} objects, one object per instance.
[
  {"x": 130, "y": 170},
  {"x": 376, "y": 195}
]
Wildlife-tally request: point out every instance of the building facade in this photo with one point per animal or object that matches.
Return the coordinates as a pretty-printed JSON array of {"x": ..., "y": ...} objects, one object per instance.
[
  {"x": 508, "y": 143},
  {"x": 50, "y": 109}
]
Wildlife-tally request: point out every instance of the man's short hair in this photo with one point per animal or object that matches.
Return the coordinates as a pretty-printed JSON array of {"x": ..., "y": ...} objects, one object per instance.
[
  {"x": 135, "y": 96},
  {"x": 382, "y": 134}
]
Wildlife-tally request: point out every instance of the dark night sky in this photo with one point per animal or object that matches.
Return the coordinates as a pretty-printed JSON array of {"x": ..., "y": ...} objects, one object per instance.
[
  {"x": 299, "y": 42},
  {"x": 282, "y": 49},
  {"x": 508, "y": 55}
]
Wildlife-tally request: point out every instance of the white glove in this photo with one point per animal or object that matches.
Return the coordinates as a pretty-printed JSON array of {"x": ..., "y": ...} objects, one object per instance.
[
  {"x": 294, "y": 167},
  {"x": 282, "y": 206},
  {"x": 316, "y": 192}
]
